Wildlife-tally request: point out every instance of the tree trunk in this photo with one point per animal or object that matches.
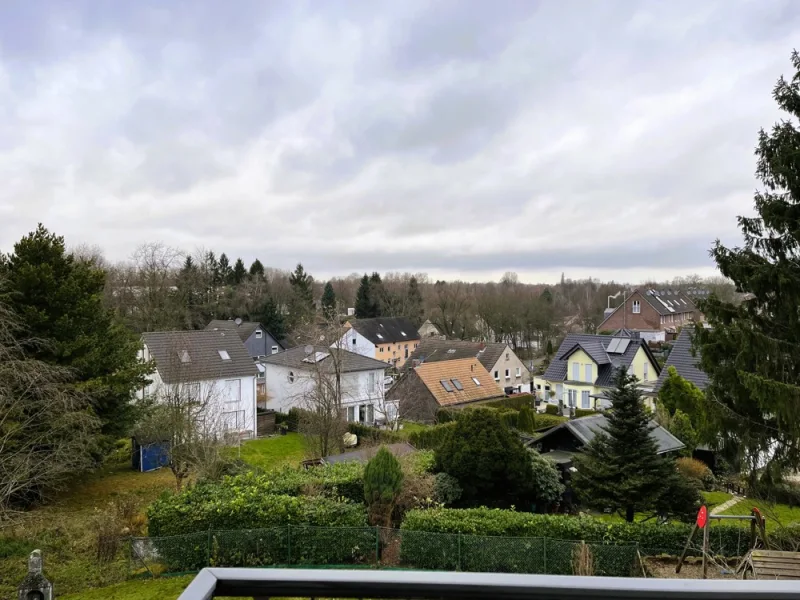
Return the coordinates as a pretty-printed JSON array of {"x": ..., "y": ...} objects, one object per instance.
[{"x": 629, "y": 514}]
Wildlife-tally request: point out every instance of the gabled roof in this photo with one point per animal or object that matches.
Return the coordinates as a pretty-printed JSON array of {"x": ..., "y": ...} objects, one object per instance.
[
  {"x": 433, "y": 350},
  {"x": 244, "y": 330},
  {"x": 586, "y": 428},
  {"x": 462, "y": 370},
  {"x": 557, "y": 371},
  {"x": 668, "y": 302},
  {"x": 685, "y": 364},
  {"x": 183, "y": 356},
  {"x": 386, "y": 330},
  {"x": 349, "y": 362}
]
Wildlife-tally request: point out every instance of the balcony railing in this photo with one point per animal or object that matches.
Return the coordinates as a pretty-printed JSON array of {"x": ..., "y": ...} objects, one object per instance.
[{"x": 304, "y": 583}]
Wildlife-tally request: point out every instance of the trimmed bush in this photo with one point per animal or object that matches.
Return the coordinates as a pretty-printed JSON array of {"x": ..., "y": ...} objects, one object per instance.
[
  {"x": 584, "y": 412},
  {"x": 546, "y": 421},
  {"x": 445, "y": 415},
  {"x": 551, "y": 409},
  {"x": 526, "y": 421},
  {"x": 366, "y": 433},
  {"x": 431, "y": 438},
  {"x": 517, "y": 401}
]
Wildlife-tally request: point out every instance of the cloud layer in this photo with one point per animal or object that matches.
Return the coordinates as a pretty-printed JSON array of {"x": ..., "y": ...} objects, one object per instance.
[{"x": 461, "y": 138}]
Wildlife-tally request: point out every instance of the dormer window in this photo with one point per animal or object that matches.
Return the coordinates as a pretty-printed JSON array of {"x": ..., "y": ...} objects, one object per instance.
[
  {"x": 637, "y": 307},
  {"x": 259, "y": 334}
]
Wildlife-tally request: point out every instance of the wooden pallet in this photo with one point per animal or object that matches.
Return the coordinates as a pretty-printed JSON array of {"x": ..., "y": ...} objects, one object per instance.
[{"x": 771, "y": 564}]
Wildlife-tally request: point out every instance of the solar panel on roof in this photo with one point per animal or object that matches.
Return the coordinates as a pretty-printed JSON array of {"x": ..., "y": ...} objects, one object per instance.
[
  {"x": 612, "y": 347},
  {"x": 623, "y": 345},
  {"x": 618, "y": 345}
]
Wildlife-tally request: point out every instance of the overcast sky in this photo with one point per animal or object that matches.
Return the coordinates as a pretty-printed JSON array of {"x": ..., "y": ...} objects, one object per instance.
[{"x": 464, "y": 139}]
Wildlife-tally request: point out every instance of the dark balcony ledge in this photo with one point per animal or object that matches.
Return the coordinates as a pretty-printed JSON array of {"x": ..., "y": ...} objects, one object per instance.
[{"x": 271, "y": 583}]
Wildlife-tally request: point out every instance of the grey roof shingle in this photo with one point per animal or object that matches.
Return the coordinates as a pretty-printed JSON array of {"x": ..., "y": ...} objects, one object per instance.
[
  {"x": 433, "y": 350},
  {"x": 386, "y": 330},
  {"x": 557, "y": 371},
  {"x": 685, "y": 364},
  {"x": 586, "y": 428},
  {"x": 205, "y": 362},
  {"x": 349, "y": 361},
  {"x": 663, "y": 300}
]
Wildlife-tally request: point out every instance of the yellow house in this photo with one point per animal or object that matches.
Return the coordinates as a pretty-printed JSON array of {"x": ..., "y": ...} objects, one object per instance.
[
  {"x": 583, "y": 369},
  {"x": 388, "y": 339}
]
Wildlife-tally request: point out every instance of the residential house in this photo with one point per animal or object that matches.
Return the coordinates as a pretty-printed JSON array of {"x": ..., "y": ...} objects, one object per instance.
[
  {"x": 388, "y": 339},
  {"x": 423, "y": 389},
  {"x": 293, "y": 380},
  {"x": 583, "y": 369},
  {"x": 685, "y": 363},
  {"x": 258, "y": 341},
  {"x": 428, "y": 330},
  {"x": 508, "y": 371},
  {"x": 654, "y": 313},
  {"x": 212, "y": 368},
  {"x": 563, "y": 441}
]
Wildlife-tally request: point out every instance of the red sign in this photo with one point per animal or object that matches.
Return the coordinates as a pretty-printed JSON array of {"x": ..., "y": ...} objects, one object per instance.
[{"x": 702, "y": 517}]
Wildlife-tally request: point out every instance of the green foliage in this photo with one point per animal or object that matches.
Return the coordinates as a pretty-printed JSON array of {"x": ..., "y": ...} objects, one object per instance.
[
  {"x": 374, "y": 435},
  {"x": 256, "y": 269},
  {"x": 546, "y": 482},
  {"x": 621, "y": 468},
  {"x": 445, "y": 415},
  {"x": 383, "y": 479},
  {"x": 271, "y": 318},
  {"x": 526, "y": 420},
  {"x": 488, "y": 460},
  {"x": 584, "y": 412},
  {"x": 517, "y": 402},
  {"x": 551, "y": 409},
  {"x": 446, "y": 488},
  {"x": 364, "y": 308},
  {"x": 678, "y": 394},
  {"x": 680, "y": 425},
  {"x": 239, "y": 273},
  {"x": 12, "y": 547},
  {"x": 301, "y": 304},
  {"x": 60, "y": 301},
  {"x": 546, "y": 420},
  {"x": 329, "y": 301},
  {"x": 414, "y": 308},
  {"x": 432, "y": 437}
]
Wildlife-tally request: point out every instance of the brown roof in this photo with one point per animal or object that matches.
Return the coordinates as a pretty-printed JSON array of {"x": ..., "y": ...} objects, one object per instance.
[{"x": 462, "y": 370}]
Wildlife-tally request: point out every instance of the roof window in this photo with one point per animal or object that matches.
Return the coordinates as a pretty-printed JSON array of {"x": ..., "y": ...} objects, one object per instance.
[{"x": 223, "y": 354}]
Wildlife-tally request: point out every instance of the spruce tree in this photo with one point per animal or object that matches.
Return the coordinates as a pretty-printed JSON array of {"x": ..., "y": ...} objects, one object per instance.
[
  {"x": 621, "y": 468},
  {"x": 415, "y": 310},
  {"x": 256, "y": 269},
  {"x": 329, "y": 301},
  {"x": 239, "y": 273},
  {"x": 224, "y": 269},
  {"x": 301, "y": 305},
  {"x": 363, "y": 302},
  {"x": 751, "y": 351},
  {"x": 269, "y": 315},
  {"x": 376, "y": 295},
  {"x": 383, "y": 480}
]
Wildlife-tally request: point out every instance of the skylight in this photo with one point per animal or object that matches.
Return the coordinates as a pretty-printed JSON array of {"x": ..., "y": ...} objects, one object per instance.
[
  {"x": 403, "y": 333},
  {"x": 223, "y": 354},
  {"x": 451, "y": 351},
  {"x": 446, "y": 385},
  {"x": 184, "y": 356},
  {"x": 316, "y": 357},
  {"x": 379, "y": 335},
  {"x": 477, "y": 381},
  {"x": 457, "y": 384}
]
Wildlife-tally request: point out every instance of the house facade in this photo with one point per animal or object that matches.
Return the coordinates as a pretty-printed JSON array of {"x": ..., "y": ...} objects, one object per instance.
[
  {"x": 258, "y": 341},
  {"x": 652, "y": 310},
  {"x": 388, "y": 339},
  {"x": 428, "y": 330},
  {"x": 583, "y": 369},
  {"x": 295, "y": 379},
  {"x": 423, "y": 389},
  {"x": 208, "y": 368}
]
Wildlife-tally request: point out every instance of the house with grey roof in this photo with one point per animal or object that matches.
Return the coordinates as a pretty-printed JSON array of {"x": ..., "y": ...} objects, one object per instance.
[
  {"x": 208, "y": 370},
  {"x": 306, "y": 376},
  {"x": 582, "y": 371},
  {"x": 258, "y": 341},
  {"x": 390, "y": 339},
  {"x": 686, "y": 363},
  {"x": 656, "y": 314}
]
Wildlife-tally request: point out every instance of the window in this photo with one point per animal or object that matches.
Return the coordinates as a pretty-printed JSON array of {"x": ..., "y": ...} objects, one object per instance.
[
  {"x": 259, "y": 334},
  {"x": 406, "y": 352},
  {"x": 497, "y": 375},
  {"x": 457, "y": 384},
  {"x": 588, "y": 373},
  {"x": 519, "y": 372},
  {"x": 291, "y": 376},
  {"x": 184, "y": 356},
  {"x": 645, "y": 374},
  {"x": 351, "y": 413},
  {"x": 508, "y": 373},
  {"x": 585, "y": 399},
  {"x": 354, "y": 341},
  {"x": 508, "y": 357},
  {"x": 234, "y": 420},
  {"x": 370, "y": 414},
  {"x": 538, "y": 386},
  {"x": 233, "y": 389},
  {"x": 637, "y": 307},
  {"x": 405, "y": 347},
  {"x": 274, "y": 349},
  {"x": 362, "y": 413},
  {"x": 380, "y": 349},
  {"x": 576, "y": 371},
  {"x": 446, "y": 385},
  {"x": 476, "y": 381},
  {"x": 223, "y": 354},
  {"x": 572, "y": 396}
]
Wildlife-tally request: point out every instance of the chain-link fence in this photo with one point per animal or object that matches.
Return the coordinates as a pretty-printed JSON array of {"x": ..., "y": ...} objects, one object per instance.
[{"x": 378, "y": 547}]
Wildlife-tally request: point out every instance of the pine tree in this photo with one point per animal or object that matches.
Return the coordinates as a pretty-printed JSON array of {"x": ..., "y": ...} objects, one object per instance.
[
  {"x": 301, "y": 306},
  {"x": 363, "y": 302},
  {"x": 751, "y": 351},
  {"x": 415, "y": 309},
  {"x": 224, "y": 269},
  {"x": 256, "y": 269},
  {"x": 239, "y": 273},
  {"x": 212, "y": 266},
  {"x": 60, "y": 302},
  {"x": 621, "y": 468},
  {"x": 269, "y": 315},
  {"x": 383, "y": 479},
  {"x": 329, "y": 301},
  {"x": 376, "y": 295}
]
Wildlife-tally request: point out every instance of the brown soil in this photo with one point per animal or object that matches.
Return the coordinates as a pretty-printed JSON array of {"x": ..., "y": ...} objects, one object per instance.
[{"x": 664, "y": 568}]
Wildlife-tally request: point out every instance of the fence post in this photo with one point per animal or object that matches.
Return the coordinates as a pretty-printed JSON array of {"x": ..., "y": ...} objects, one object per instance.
[
  {"x": 459, "y": 552},
  {"x": 288, "y": 544},
  {"x": 377, "y": 546}
]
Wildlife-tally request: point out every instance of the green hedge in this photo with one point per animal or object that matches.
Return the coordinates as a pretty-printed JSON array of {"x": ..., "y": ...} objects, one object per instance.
[
  {"x": 373, "y": 434},
  {"x": 542, "y": 421},
  {"x": 651, "y": 537},
  {"x": 584, "y": 412},
  {"x": 551, "y": 409},
  {"x": 431, "y": 438},
  {"x": 517, "y": 401}
]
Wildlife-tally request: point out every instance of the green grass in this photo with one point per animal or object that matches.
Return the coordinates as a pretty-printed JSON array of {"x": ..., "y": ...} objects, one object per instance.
[
  {"x": 276, "y": 451},
  {"x": 715, "y": 498},
  {"x": 164, "y": 588},
  {"x": 777, "y": 515}
]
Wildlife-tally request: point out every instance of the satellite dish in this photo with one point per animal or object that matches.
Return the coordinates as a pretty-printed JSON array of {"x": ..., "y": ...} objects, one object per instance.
[
  {"x": 238, "y": 321},
  {"x": 309, "y": 349}
]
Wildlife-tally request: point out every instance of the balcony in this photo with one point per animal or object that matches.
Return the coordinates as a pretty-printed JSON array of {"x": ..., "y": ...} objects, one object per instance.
[{"x": 303, "y": 583}]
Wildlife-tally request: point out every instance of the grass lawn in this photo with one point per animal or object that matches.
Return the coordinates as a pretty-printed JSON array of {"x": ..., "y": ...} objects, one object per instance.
[
  {"x": 164, "y": 588},
  {"x": 776, "y": 515},
  {"x": 277, "y": 451},
  {"x": 715, "y": 498}
]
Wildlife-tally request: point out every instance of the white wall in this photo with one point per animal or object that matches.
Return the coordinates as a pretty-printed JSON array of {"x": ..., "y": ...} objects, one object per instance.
[
  {"x": 362, "y": 346},
  {"x": 358, "y": 388}
]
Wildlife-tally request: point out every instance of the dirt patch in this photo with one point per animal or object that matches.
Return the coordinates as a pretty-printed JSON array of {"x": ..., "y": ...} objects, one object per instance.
[{"x": 664, "y": 568}]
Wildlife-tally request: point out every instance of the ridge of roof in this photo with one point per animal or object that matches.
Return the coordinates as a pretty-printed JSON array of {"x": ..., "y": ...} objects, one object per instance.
[
  {"x": 386, "y": 330},
  {"x": 684, "y": 362},
  {"x": 349, "y": 361}
]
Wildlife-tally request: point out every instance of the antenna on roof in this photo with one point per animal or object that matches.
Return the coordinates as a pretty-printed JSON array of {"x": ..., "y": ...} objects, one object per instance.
[
  {"x": 308, "y": 349},
  {"x": 238, "y": 321}
]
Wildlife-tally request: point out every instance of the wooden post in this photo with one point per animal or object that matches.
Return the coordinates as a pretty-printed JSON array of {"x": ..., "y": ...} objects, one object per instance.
[
  {"x": 753, "y": 530},
  {"x": 705, "y": 550},
  {"x": 686, "y": 549}
]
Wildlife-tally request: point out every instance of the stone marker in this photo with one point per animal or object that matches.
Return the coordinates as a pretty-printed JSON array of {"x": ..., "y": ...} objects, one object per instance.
[{"x": 35, "y": 586}]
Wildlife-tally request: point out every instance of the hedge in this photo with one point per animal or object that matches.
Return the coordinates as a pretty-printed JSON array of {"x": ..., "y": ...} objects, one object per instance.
[
  {"x": 653, "y": 538},
  {"x": 584, "y": 412},
  {"x": 431, "y": 438},
  {"x": 517, "y": 401},
  {"x": 551, "y": 409},
  {"x": 542, "y": 421},
  {"x": 373, "y": 434}
]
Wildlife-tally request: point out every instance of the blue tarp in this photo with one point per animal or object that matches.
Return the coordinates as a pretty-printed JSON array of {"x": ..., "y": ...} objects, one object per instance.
[{"x": 149, "y": 457}]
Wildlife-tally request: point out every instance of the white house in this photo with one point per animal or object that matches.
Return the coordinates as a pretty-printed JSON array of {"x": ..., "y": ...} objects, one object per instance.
[
  {"x": 213, "y": 367},
  {"x": 293, "y": 377}
]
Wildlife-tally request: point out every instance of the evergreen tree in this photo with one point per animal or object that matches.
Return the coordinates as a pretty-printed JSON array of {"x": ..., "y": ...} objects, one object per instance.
[
  {"x": 256, "y": 269},
  {"x": 621, "y": 468},
  {"x": 376, "y": 295},
  {"x": 60, "y": 302},
  {"x": 224, "y": 269},
  {"x": 269, "y": 315},
  {"x": 212, "y": 267},
  {"x": 188, "y": 265},
  {"x": 415, "y": 309},
  {"x": 239, "y": 273},
  {"x": 678, "y": 394},
  {"x": 363, "y": 302},
  {"x": 329, "y": 301},
  {"x": 301, "y": 307},
  {"x": 680, "y": 425},
  {"x": 751, "y": 351},
  {"x": 383, "y": 479}
]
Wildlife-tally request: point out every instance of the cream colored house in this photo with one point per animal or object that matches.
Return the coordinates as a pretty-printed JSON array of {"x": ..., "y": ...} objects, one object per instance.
[{"x": 583, "y": 369}]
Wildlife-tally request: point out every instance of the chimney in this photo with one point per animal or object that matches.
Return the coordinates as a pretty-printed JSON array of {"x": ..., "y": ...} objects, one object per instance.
[{"x": 415, "y": 363}]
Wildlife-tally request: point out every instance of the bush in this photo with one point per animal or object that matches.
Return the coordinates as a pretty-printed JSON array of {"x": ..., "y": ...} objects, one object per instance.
[
  {"x": 446, "y": 488},
  {"x": 696, "y": 470},
  {"x": 526, "y": 421},
  {"x": 445, "y": 415},
  {"x": 547, "y": 421},
  {"x": 551, "y": 409},
  {"x": 517, "y": 402},
  {"x": 383, "y": 478},
  {"x": 584, "y": 412},
  {"x": 418, "y": 463},
  {"x": 374, "y": 435},
  {"x": 432, "y": 437},
  {"x": 546, "y": 482}
]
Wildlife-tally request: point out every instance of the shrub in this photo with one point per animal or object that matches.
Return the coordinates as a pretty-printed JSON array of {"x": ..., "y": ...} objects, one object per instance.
[
  {"x": 445, "y": 415},
  {"x": 418, "y": 463},
  {"x": 446, "y": 489},
  {"x": 430, "y": 438},
  {"x": 546, "y": 482},
  {"x": 694, "y": 469},
  {"x": 374, "y": 435},
  {"x": 517, "y": 402},
  {"x": 547, "y": 421},
  {"x": 382, "y": 481},
  {"x": 680, "y": 425},
  {"x": 526, "y": 420},
  {"x": 488, "y": 460},
  {"x": 584, "y": 412},
  {"x": 551, "y": 409}
]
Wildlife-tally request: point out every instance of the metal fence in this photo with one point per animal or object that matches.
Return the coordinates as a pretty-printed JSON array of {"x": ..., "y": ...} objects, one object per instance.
[{"x": 373, "y": 547}]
